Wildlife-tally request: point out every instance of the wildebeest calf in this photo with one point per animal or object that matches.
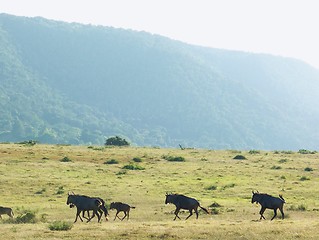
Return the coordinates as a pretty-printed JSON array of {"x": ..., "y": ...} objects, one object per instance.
[
  {"x": 121, "y": 207},
  {"x": 6, "y": 210},
  {"x": 270, "y": 202}
]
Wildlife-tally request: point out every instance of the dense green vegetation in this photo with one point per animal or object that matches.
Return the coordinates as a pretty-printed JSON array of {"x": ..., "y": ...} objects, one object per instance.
[{"x": 80, "y": 84}]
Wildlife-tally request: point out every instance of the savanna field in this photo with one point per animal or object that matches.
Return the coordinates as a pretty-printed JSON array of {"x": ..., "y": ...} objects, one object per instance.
[{"x": 36, "y": 180}]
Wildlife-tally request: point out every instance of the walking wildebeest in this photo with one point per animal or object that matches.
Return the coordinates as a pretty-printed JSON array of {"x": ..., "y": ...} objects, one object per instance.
[
  {"x": 6, "y": 210},
  {"x": 85, "y": 203},
  {"x": 101, "y": 210},
  {"x": 121, "y": 207},
  {"x": 270, "y": 202},
  {"x": 183, "y": 202}
]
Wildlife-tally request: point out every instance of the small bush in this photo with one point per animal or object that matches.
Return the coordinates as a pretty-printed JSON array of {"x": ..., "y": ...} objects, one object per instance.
[
  {"x": 308, "y": 169},
  {"x": 254, "y": 152},
  {"x": 65, "y": 159},
  {"x": 174, "y": 159},
  {"x": 112, "y": 161},
  {"x": 25, "y": 216},
  {"x": 282, "y": 160},
  {"x": 60, "y": 190},
  {"x": 137, "y": 159},
  {"x": 276, "y": 167},
  {"x": 133, "y": 167},
  {"x": 28, "y": 143},
  {"x": 60, "y": 226},
  {"x": 300, "y": 207},
  {"x": 41, "y": 191},
  {"x": 123, "y": 172},
  {"x": 304, "y": 178},
  {"x": 213, "y": 187},
  {"x": 239, "y": 157},
  {"x": 304, "y": 151}
]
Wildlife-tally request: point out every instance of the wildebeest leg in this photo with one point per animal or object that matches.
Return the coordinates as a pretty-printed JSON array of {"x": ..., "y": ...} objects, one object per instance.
[
  {"x": 124, "y": 216},
  {"x": 128, "y": 214},
  {"x": 88, "y": 213},
  {"x": 176, "y": 213},
  {"x": 282, "y": 213},
  {"x": 117, "y": 212},
  {"x": 196, "y": 211},
  {"x": 78, "y": 215},
  {"x": 262, "y": 210},
  {"x": 99, "y": 216},
  {"x": 275, "y": 214},
  {"x": 190, "y": 213}
]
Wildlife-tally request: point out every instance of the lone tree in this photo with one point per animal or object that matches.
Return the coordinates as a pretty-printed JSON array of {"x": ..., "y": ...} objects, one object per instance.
[{"x": 116, "y": 141}]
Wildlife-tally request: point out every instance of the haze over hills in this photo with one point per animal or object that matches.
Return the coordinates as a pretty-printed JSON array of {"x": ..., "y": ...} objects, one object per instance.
[{"x": 78, "y": 84}]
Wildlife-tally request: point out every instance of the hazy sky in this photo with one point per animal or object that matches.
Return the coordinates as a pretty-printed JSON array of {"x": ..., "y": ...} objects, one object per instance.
[{"x": 280, "y": 27}]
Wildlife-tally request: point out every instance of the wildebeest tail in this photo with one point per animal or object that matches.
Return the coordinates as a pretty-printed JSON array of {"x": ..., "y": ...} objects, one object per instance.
[
  {"x": 282, "y": 198},
  {"x": 204, "y": 209},
  {"x": 132, "y": 207}
]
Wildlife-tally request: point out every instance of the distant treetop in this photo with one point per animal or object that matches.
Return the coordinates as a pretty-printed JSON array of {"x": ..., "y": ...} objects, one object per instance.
[{"x": 116, "y": 141}]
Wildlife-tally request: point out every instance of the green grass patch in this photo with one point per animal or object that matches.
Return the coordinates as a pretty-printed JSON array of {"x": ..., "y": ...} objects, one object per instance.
[{"x": 60, "y": 226}]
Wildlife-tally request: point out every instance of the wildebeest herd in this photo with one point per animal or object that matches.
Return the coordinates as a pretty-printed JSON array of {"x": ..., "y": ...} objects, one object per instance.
[
  {"x": 97, "y": 205},
  {"x": 85, "y": 204}
]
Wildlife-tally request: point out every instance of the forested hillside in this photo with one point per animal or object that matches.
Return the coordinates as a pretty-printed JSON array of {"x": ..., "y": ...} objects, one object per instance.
[{"x": 73, "y": 83}]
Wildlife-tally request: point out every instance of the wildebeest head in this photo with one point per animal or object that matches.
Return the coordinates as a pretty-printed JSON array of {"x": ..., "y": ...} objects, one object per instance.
[
  {"x": 70, "y": 199},
  {"x": 255, "y": 197},
  {"x": 169, "y": 198}
]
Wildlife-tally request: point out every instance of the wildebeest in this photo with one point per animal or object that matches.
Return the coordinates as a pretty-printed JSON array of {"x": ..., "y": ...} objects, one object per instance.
[
  {"x": 270, "y": 202},
  {"x": 101, "y": 210},
  {"x": 85, "y": 203},
  {"x": 121, "y": 207},
  {"x": 6, "y": 210},
  {"x": 183, "y": 202}
]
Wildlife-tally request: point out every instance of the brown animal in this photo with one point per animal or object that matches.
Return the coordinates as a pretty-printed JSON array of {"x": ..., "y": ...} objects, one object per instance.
[
  {"x": 121, "y": 207},
  {"x": 6, "y": 210}
]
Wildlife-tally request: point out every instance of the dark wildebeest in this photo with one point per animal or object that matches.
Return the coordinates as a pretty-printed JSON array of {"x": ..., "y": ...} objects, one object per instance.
[
  {"x": 85, "y": 203},
  {"x": 6, "y": 210},
  {"x": 101, "y": 210},
  {"x": 270, "y": 202},
  {"x": 121, "y": 207},
  {"x": 183, "y": 202}
]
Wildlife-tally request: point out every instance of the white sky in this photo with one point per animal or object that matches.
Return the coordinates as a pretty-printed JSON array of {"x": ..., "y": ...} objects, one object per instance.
[{"x": 280, "y": 27}]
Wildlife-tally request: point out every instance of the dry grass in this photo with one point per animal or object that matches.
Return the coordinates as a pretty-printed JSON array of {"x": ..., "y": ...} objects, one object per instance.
[{"x": 35, "y": 178}]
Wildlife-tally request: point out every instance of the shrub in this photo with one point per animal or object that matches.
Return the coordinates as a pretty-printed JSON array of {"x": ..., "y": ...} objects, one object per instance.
[
  {"x": 116, "y": 141},
  {"x": 137, "y": 159},
  {"x": 65, "y": 159},
  {"x": 276, "y": 167},
  {"x": 60, "y": 226},
  {"x": 213, "y": 187},
  {"x": 304, "y": 178},
  {"x": 60, "y": 190},
  {"x": 25, "y": 216},
  {"x": 304, "y": 151},
  {"x": 308, "y": 169},
  {"x": 239, "y": 157},
  {"x": 133, "y": 167},
  {"x": 174, "y": 159},
  {"x": 112, "y": 161},
  {"x": 28, "y": 143},
  {"x": 254, "y": 152}
]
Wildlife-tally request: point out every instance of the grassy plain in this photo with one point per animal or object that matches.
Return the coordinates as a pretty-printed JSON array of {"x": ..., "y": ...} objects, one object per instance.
[{"x": 38, "y": 178}]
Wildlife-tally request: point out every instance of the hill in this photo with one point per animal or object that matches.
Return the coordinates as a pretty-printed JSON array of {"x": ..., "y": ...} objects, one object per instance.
[{"x": 76, "y": 84}]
